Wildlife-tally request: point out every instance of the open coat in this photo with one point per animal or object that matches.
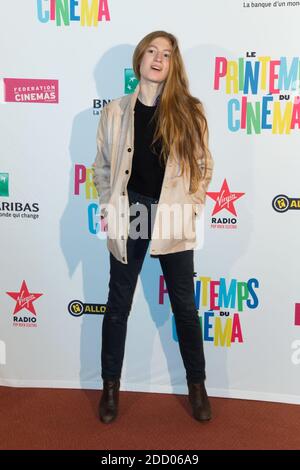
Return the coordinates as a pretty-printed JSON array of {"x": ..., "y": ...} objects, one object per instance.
[{"x": 174, "y": 223}]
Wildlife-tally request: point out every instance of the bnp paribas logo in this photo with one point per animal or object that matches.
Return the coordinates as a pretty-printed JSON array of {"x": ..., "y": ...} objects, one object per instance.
[
  {"x": 130, "y": 81},
  {"x": 4, "y": 184}
]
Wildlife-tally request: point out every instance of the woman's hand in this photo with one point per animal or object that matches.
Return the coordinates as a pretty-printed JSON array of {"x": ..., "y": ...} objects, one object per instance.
[
  {"x": 103, "y": 219},
  {"x": 103, "y": 224}
]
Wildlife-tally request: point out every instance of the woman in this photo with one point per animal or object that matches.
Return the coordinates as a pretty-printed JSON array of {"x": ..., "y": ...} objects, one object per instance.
[{"x": 153, "y": 158}]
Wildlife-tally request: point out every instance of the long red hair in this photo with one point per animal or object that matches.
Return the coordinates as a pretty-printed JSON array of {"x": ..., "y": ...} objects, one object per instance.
[{"x": 181, "y": 123}]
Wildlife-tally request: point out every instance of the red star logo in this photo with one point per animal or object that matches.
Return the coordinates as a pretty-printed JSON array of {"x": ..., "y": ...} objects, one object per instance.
[
  {"x": 24, "y": 299},
  {"x": 225, "y": 199}
]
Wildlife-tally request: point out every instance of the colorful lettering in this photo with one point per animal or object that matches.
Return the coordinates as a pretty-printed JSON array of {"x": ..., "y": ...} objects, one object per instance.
[
  {"x": 64, "y": 12},
  {"x": 250, "y": 77}
]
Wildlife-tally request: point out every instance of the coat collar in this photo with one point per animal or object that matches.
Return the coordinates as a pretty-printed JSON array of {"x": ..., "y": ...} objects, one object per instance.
[
  {"x": 134, "y": 96},
  {"x": 129, "y": 101}
]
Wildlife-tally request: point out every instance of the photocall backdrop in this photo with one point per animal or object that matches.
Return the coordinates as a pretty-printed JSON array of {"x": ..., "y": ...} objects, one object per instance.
[{"x": 61, "y": 63}]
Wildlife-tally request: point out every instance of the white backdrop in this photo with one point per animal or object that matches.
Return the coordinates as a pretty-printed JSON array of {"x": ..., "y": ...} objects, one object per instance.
[{"x": 247, "y": 273}]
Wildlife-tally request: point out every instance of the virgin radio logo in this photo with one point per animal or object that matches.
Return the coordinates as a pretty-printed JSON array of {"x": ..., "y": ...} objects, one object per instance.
[
  {"x": 224, "y": 201},
  {"x": 24, "y": 301},
  {"x": 30, "y": 90},
  {"x": 65, "y": 12}
]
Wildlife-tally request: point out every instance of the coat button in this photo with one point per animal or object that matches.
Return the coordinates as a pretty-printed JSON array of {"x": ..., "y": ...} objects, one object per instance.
[
  {"x": 129, "y": 149},
  {"x": 127, "y": 171},
  {"x": 123, "y": 193},
  {"x": 122, "y": 237},
  {"x": 122, "y": 215}
]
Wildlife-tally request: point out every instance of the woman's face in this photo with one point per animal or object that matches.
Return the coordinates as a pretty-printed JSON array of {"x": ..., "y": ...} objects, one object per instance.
[{"x": 156, "y": 60}]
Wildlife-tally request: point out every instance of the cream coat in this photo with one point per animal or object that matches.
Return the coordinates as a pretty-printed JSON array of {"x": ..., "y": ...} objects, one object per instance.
[{"x": 112, "y": 169}]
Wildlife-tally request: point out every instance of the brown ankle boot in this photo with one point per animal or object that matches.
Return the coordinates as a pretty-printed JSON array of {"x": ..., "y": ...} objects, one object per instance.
[
  {"x": 199, "y": 400},
  {"x": 108, "y": 406}
]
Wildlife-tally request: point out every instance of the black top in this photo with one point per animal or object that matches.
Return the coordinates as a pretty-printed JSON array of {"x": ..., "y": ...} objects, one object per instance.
[{"x": 147, "y": 174}]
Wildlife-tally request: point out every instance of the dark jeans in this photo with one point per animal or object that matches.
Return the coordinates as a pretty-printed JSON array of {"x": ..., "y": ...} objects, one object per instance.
[{"x": 178, "y": 270}]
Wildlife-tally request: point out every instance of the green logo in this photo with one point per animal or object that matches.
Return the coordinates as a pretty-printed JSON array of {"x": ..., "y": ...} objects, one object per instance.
[
  {"x": 130, "y": 81},
  {"x": 4, "y": 184}
]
